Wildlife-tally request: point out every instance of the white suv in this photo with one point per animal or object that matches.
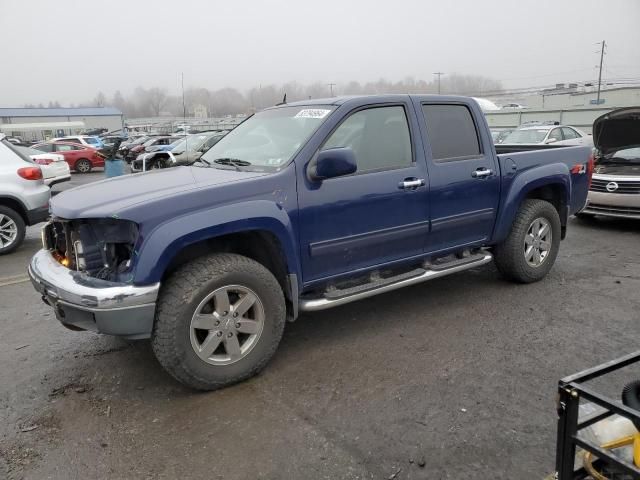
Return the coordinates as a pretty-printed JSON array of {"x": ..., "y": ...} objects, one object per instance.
[
  {"x": 86, "y": 140},
  {"x": 24, "y": 198}
]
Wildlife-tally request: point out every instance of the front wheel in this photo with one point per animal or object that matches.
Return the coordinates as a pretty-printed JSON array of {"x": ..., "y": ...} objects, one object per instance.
[
  {"x": 83, "y": 166},
  {"x": 530, "y": 250},
  {"x": 219, "y": 321}
]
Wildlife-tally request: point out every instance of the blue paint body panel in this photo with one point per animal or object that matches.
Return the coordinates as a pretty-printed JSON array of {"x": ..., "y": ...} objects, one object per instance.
[{"x": 343, "y": 226}]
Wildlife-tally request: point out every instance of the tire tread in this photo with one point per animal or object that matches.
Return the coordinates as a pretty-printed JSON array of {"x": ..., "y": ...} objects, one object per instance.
[
  {"x": 508, "y": 255},
  {"x": 176, "y": 292}
]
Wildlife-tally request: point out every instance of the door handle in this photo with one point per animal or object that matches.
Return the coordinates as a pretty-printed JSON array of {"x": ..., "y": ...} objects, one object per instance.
[
  {"x": 411, "y": 183},
  {"x": 482, "y": 172}
]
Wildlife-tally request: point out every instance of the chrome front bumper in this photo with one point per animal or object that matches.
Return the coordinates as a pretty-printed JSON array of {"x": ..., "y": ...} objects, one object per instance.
[
  {"x": 613, "y": 205},
  {"x": 87, "y": 303}
]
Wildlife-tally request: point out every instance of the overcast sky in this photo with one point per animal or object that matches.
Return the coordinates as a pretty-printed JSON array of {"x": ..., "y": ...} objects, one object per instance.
[{"x": 68, "y": 50}]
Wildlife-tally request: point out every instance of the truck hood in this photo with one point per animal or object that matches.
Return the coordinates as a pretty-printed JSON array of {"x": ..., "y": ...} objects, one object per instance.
[
  {"x": 109, "y": 198},
  {"x": 617, "y": 130}
]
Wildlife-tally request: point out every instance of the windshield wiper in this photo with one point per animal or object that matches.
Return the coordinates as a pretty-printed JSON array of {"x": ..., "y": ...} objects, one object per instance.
[{"x": 235, "y": 162}]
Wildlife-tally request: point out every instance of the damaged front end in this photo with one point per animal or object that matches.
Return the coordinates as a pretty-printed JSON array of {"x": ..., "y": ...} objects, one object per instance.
[
  {"x": 85, "y": 272},
  {"x": 103, "y": 248}
]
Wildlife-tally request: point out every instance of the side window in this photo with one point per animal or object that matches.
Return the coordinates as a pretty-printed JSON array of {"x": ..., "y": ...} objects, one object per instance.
[
  {"x": 64, "y": 148},
  {"x": 378, "y": 136},
  {"x": 556, "y": 133},
  {"x": 452, "y": 131},
  {"x": 45, "y": 147},
  {"x": 569, "y": 133}
]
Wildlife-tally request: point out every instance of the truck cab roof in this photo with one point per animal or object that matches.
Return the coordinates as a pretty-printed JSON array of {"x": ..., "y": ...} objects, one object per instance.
[{"x": 377, "y": 98}]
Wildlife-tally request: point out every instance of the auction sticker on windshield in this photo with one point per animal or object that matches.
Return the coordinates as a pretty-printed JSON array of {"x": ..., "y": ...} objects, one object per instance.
[{"x": 312, "y": 113}]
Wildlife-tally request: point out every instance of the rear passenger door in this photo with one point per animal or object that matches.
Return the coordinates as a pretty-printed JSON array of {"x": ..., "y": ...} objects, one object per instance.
[{"x": 463, "y": 174}]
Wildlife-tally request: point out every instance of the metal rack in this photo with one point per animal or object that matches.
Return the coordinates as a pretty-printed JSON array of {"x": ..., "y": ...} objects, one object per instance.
[{"x": 570, "y": 391}]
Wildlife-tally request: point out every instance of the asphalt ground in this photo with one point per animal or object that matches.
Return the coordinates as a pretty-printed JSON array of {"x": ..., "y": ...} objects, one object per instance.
[{"x": 454, "y": 378}]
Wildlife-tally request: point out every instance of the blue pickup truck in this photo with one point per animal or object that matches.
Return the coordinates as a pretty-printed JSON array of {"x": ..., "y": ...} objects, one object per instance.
[{"x": 302, "y": 207}]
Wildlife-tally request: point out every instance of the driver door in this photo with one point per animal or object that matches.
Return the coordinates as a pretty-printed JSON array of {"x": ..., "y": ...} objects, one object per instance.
[{"x": 378, "y": 214}]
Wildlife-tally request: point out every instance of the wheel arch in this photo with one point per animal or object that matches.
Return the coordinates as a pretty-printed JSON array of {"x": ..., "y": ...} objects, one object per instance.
[
  {"x": 548, "y": 182},
  {"x": 15, "y": 204},
  {"x": 267, "y": 239}
]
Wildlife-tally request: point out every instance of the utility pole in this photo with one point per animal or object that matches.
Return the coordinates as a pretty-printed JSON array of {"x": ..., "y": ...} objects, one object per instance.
[
  {"x": 184, "y": 105},
  {"x": 600, "y": 74},
  {"x": 331, "y": 85},
  {"x": 439, "y": 74}
]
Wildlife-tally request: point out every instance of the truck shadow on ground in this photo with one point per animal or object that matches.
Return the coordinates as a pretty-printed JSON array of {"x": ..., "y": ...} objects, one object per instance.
[
  {"x": 613, "y": 224},
  {"x": 387, "y": 315}
]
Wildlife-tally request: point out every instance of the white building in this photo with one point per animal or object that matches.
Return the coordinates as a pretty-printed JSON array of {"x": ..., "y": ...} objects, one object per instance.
[{"x": 45, "y": 123}]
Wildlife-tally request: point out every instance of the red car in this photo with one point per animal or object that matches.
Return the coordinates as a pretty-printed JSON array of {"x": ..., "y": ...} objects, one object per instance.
[{"x": 79, "y": 157}]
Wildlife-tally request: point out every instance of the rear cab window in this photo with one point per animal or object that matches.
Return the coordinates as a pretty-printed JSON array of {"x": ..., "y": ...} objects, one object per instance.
[{"x": 452, "y": 132}]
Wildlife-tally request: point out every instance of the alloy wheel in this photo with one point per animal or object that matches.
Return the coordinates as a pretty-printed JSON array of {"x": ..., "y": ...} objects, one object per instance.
[
  {"x": 226, "y": 325},
  {"x": 8, "y": 231},
  {"x": 537, "y": 242}
]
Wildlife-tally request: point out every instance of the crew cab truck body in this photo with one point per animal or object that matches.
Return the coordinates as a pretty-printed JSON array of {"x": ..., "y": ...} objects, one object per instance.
[{"x": 302, "y": 207}]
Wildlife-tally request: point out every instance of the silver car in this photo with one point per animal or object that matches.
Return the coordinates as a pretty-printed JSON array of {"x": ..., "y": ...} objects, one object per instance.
[
  {"x": 547, "y": 134},
  {"x": 615, "y": 187},
  {"x": 24, "y": 198}
]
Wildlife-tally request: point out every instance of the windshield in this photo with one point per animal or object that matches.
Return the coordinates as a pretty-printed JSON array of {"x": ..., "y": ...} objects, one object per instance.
[
  {"x": 30, "y": 151},
  {"x": 92, "y": 140},
  {"x": 526, "y": 136},
  {"x": 190, "y": 143},
  {"x": 269, "y": 138},
  {"x": 627, "y": 156},
  {"x": 139, "y": 141}
]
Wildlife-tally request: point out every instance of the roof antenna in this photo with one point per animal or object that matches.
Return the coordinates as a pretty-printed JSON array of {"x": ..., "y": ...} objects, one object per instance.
[{"x": 284, "y": 100}]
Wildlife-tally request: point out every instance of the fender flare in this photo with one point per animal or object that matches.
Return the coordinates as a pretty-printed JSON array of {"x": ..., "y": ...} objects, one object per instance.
[
  {"x": 555, "y": 174},
  {"x": 161, "y": 245}
]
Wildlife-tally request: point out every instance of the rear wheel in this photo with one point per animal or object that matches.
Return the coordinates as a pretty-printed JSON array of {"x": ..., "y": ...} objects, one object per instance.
[
  {"x": 219, "y": 321},
  {"x": 12, "y": 230},
  {"x": 530, "y": 250},
  {"x": 83, "y": 166}
]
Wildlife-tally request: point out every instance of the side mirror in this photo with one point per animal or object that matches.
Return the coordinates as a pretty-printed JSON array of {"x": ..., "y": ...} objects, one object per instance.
[
  {"x": 551, "y": 140},
  {"x": 332, "y": 163}
]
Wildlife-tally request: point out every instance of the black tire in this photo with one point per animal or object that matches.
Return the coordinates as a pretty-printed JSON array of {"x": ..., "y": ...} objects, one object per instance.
[
  {"x": 21, "y": 229},
  {"x": 178, "y": 300},
  {"x": 82, "y": 166},
  {"x": 509, "y": 256}
]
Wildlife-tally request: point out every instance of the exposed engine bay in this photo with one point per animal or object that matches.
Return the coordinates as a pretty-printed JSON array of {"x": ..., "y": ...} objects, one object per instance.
[{"x": 102, "y": 248}]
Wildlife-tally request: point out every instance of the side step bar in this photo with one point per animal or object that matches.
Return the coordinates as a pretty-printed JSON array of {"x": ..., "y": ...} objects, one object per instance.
[{"x": 315, "y": 304}]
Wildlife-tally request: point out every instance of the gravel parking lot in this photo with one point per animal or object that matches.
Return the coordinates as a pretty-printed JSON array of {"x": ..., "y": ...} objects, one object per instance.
[{"x": 455, "y": 378}]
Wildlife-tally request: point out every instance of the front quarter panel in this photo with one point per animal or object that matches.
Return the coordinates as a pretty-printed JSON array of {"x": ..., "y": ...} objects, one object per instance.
[{"x": 275, "y": 214}]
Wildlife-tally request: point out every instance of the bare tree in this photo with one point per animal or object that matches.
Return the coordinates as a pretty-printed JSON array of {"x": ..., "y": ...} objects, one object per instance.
[
  {"x": 157, "y": 98},
  {"x": 100, "y": 100},
  {"x": 228, "y": 101}
]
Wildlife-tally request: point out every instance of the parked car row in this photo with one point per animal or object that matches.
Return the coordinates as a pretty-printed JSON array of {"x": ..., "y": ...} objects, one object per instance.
[{"x": 185, "y": 151}]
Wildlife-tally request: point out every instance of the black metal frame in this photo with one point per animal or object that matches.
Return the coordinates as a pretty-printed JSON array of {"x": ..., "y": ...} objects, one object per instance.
[{"x": 570, "y": 391}]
